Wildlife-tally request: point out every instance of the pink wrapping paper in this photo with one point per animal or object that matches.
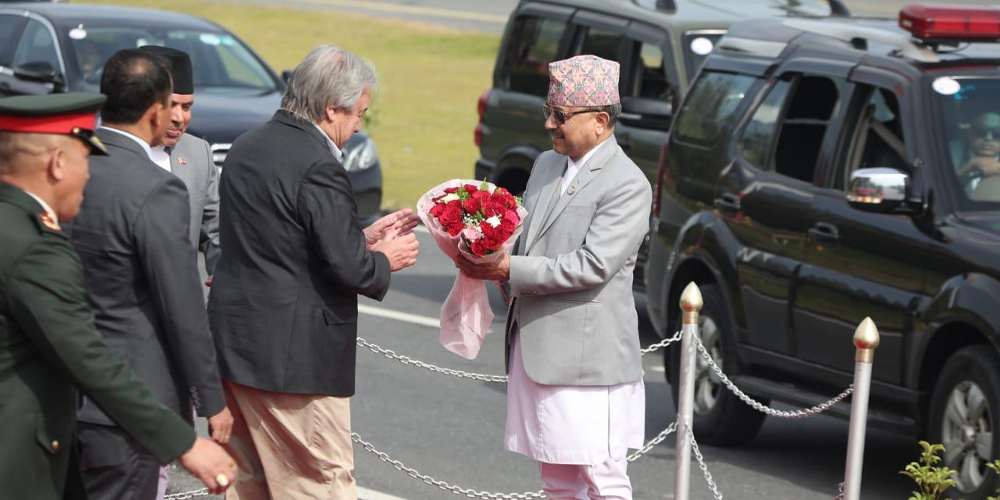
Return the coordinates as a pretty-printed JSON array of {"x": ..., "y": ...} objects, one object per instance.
[{"x": 466, "y": 314}]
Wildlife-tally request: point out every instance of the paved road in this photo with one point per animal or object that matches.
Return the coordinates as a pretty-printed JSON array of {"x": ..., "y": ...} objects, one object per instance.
[{"x": 452, "y": 428}]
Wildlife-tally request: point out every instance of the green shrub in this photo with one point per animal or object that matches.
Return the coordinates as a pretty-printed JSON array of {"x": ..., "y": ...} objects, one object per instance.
[{"x": 932, "y": 480}]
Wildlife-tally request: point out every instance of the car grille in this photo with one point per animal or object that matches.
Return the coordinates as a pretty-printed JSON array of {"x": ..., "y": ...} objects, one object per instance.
[{"x": 219, "y": 152}]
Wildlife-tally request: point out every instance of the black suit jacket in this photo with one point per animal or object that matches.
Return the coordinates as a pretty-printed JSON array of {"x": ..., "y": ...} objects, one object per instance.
[
  {"x": 283, "y": 305},
  {"x": 141, "y": 274}
]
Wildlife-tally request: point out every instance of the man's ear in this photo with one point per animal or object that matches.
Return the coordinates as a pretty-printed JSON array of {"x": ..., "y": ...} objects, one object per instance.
[
  {"x": 331, "y": 112},
  {"x": 602, "y": 122},
  {"x": 56, "y": 164},
  {"x": 153, "y": 115}
]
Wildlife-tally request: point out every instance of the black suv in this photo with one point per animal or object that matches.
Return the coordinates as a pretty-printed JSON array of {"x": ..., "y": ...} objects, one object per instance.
[{"x": 824, "y": 170}]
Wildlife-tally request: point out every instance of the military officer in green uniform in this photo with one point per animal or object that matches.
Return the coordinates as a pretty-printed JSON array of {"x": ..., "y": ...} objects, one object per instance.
[{"x": 49, "y": 347}]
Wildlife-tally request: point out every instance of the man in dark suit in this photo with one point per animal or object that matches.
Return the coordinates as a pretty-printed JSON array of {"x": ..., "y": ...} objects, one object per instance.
[
  {"x": 141, "y": 276},
  {"x": 190, "y": 158},
  {"x": 49, "y": 346},
  {"x": 284, "y": 304}
]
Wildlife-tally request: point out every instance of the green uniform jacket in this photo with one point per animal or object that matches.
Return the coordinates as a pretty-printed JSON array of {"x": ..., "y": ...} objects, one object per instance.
[{"x": 49, "y": 348}]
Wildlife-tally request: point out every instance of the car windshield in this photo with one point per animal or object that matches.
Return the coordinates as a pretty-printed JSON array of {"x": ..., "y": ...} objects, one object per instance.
[
  {"x": 969, "y": 123},
  {"x": 221, "y": 63}
]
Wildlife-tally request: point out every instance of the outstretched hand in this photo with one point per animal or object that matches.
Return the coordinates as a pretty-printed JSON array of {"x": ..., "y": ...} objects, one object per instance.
[{"x": 398, "y": 223}]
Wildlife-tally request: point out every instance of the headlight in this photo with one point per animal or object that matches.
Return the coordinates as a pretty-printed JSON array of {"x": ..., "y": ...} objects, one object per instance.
[{"x": 362, "y": 157}]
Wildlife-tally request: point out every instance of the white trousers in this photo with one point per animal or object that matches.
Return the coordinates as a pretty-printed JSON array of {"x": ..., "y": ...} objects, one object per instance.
[{"x": 605, "y": 481}]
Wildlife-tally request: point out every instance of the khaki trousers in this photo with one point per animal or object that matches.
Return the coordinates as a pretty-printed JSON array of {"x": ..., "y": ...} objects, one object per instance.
[{"x": 290, "y": 446}]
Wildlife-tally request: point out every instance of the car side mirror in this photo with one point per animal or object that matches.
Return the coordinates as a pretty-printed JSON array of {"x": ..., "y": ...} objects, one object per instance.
[
  {"x": 644, "y": 112},
  {"x": 286, "y": 75},
  {"x": 37, "y": 71},
  {"x": 880, "y": 189}
]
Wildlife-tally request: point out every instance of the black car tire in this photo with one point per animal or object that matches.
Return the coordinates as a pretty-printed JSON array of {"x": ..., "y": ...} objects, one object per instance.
[
  {"x": 968, "y": 370},
  {"x": 729, "y": 421}
]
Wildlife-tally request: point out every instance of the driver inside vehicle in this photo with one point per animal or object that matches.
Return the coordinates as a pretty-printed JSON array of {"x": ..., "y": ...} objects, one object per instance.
[{"x": 983, "y": 168}]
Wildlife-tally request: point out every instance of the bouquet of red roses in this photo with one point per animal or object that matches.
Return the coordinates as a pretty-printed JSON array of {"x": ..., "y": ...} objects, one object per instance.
[{"x": 481, "y": 221}]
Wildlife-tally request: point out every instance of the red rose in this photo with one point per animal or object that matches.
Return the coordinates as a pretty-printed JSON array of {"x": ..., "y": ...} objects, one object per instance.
[
  {"x": 507, "y": 226},
  {"x": 494, "y": 241},
  {"x": 479, "y": 248},
  {"x": 494, "y": 207},
  {"x": 471, "y": 188},
  {"x": 471, "y": 205},
  {"x": 450, "y": 215},
  {"x": 487, "y": 229},
  {"x": 450, "y": 190},
  {"x": 455, "y": 227},
  {"x": 436, "y": 210}
]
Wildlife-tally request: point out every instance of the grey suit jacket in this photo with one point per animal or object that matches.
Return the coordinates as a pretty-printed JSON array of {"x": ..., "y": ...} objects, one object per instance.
[
  {"x": 191, "y": 161},
  {"x": 141, "y": 276},
  {"x": 571, "y": 271}
]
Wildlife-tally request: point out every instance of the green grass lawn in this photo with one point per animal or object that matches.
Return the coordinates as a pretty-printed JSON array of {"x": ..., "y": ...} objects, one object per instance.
[{"x": 430, "y": 78}]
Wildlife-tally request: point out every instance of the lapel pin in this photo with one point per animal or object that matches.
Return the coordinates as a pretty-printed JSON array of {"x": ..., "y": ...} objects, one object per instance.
[
  {"x": 48, "y": 222},
  {"x": 181, "y": 160},
  {"x": 571, "y": 190}
]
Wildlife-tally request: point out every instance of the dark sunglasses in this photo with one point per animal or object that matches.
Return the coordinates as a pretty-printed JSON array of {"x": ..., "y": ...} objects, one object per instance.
[
  {"x": 562, "y": 116},
  {"x": 984, "y": 131}
]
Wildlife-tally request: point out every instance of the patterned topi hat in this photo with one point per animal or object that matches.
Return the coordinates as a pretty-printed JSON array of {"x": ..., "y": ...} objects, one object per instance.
[{"x": 583, "y": 81}]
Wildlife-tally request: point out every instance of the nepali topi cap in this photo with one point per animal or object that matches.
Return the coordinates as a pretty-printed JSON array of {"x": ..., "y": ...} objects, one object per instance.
[
  {"x": 73, "y": 113},
  {"x": 180, "y": 67},
  {"x": 583, "y": 81}
]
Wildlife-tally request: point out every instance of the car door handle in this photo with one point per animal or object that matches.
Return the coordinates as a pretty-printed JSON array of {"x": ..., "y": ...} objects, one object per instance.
[
  {"x": 824, "y": 231},
  {"x": 728, "y": 201}
]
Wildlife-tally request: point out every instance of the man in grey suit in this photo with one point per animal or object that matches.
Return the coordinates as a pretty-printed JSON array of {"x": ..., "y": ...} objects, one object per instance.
[
  {"x": 140, "y": 271},
  {"x": 190, "y": 158},
  {"x": 576, "y": 400}
]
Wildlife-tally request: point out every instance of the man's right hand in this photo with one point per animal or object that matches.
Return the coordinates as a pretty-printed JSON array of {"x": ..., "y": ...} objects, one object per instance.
[
  {"x": 401, "y": 251},
  {"x": 208, "y": 461}
]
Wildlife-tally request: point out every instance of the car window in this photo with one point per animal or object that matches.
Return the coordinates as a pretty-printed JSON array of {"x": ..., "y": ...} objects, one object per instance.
[
  {"x": 968, "y": 130},
  {"x": 36, "y": 46},
  {"x": 536, "y": 44},
  {"x": 709, "y": 112},
  {"x": 878, "y": 138},
  {"x": 8, "y": 27},
  {"x": 220, "y": 62},
  {"x": 650, "y": 79},
  {"x": 600, "y": 42},
  {"x": 812, "y": 104},
  {"x": 757, "y": 138}
]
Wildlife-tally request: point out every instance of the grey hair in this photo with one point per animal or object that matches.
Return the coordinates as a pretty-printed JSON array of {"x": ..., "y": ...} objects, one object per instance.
[
  {"x": 613, "y": 111},
  {"x": 329, "y": 75}
]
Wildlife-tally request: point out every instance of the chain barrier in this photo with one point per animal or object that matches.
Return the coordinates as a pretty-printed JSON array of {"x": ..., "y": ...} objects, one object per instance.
[
  {"x": 840, "y": 492},
  {"x": 482, "y": 377},
  {"x": 806, "y": 413},
  {"x": 469, "y": 493},
  {"x": 187, "y": 494},
  {"x": 406, "y": 360},
  {"x": 701, "y": 464}
]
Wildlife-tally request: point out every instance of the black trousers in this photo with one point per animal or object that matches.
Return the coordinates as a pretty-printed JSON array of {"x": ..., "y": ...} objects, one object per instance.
[{"x": 114, "y": 466}]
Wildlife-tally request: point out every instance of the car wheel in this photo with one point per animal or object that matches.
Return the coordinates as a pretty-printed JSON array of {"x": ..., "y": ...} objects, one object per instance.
[
  {"x": 720, "y": 417},
  {"x": 965, "y": 407}
]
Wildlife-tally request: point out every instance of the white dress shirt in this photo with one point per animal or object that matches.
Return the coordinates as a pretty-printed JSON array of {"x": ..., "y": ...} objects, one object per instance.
[
  {"x": 337, "y": 153},
  {"x": 142, "y": 143},
  {"x": 161, "y": 157},
  {"x": 574, "y": 166}
]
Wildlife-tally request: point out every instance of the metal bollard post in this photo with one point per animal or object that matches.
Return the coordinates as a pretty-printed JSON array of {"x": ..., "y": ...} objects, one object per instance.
[
  {"x": 691, "y": 303},
  {"x": 866, "y": 340}
]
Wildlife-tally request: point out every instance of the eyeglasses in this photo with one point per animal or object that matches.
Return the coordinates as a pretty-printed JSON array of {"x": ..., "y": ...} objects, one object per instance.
[
  {"x": 991, "y": 133},
  {"x": 562, "y": 116}
]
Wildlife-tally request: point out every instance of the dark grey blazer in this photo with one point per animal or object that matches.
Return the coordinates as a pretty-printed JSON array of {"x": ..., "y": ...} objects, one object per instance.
[
  {"x": 191, "y": 161},
  {"x": 284, "y": 301},
  {"x": 142, "y": 278}
]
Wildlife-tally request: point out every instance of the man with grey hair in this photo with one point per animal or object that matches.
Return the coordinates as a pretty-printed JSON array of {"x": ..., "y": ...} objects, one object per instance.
[{"x": 283, "y": 306}]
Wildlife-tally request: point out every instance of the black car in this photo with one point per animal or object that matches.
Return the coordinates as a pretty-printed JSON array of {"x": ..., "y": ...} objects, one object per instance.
[
  {"x": 823, "y": 170},
  {"x": 47, "y": 48}
]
